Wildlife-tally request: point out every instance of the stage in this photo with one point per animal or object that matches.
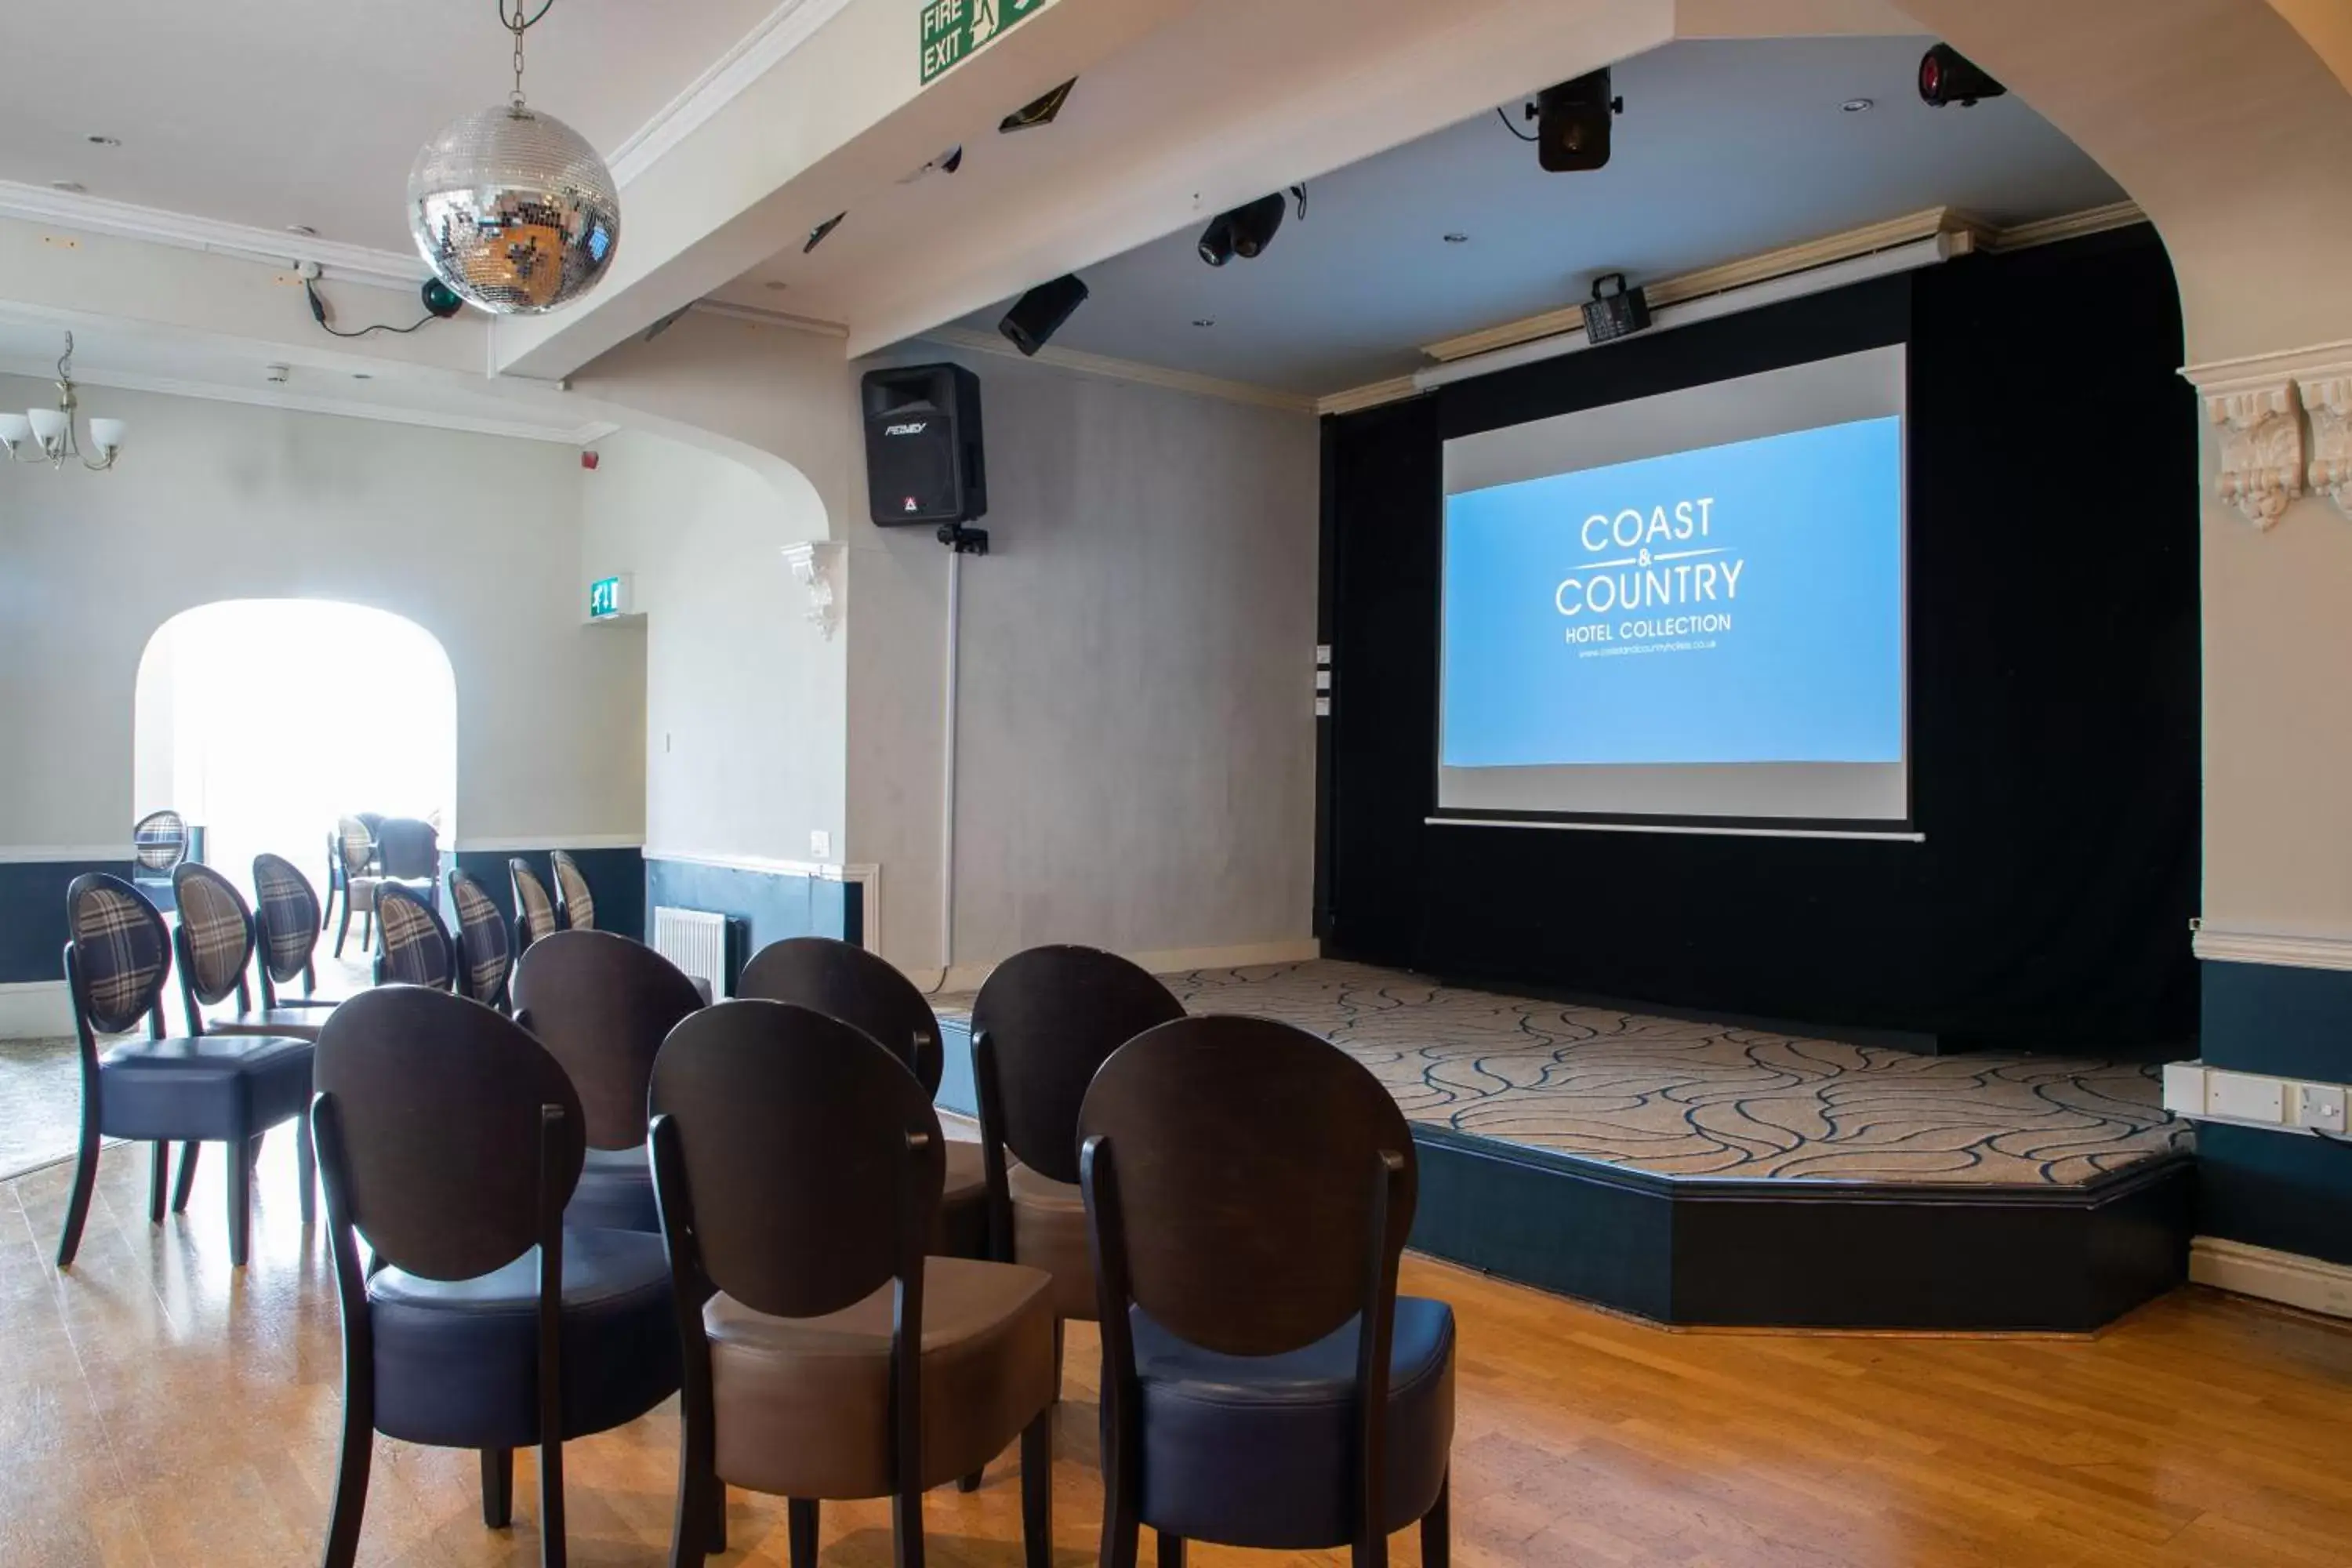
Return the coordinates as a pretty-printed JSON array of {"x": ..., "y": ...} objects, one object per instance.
[{"x": 1703, "y": 1174}]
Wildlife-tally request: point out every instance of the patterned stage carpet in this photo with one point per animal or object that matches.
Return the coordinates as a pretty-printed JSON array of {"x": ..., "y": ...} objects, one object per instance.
[{"x": 1703, "y": 1100}]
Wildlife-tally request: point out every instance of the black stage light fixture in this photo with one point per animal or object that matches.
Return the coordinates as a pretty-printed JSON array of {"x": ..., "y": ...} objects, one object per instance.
[
  {"x": 816, "y": 234},
  {"x": 1038, "y": 315},
  {"x": 1029, "y": 116},
  {"x": 1572, "y": 123},
  {"x": 1614, "y": 315},
  {"x": 1246, "y": 231},
  {"x": 1948, "y": 76}
]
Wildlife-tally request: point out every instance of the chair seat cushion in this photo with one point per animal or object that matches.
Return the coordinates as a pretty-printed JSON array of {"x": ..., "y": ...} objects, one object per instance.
[
  {"x": 1259, "y": 1451},
  {"x": 961, "y": 1230},
  {"x": 1049, "y": 1232},
  {"x": 456, "y": 1362},
  {"x": 802, "y": 1406},
  {"x": 201, "y": 1087},
  {"x": 295, "y": 1023},
  {"x": 616, "y": 1193}
]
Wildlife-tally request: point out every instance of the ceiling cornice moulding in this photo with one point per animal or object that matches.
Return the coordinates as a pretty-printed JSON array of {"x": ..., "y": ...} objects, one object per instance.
[
  {"x": 758, "y": 52},
  {"x": 585, "y": 434},
  {"x": 1128, "y": 369},
  {"x": 183, "y": 231}
]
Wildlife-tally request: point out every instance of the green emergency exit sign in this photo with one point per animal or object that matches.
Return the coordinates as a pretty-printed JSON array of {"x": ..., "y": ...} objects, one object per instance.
[{"x": 954, "y": 29}]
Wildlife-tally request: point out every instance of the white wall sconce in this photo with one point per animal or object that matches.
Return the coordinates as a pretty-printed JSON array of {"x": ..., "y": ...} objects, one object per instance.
[{"x": 813, "y": 565}]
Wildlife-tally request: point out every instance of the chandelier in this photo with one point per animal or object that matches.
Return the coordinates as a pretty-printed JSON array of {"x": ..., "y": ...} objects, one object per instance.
[
  {"x": 512, "y": 208},
  {"x": 50, "y": 431}
]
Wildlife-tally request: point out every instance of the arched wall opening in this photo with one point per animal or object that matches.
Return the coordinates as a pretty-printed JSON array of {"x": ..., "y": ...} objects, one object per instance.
[{"x": 262, "y": 720}]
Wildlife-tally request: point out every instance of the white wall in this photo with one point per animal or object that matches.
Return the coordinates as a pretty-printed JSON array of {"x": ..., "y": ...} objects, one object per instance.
[
  {"x": 1136, "y": 750},
  {"x": 746, "y": 700},
  {"x": 473, "y": 537}
]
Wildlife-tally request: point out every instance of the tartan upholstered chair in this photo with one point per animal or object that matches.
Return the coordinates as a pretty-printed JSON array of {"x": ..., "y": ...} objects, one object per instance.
[
  {"x": 356, "y": 849},
  {"x": 534, "y": 911},
  {"x": 189, "y": 1090},
  {"x": 214, "y": 945},
  {"x": 575, "y": 906},
  {"x": 416, "y": 949},
  {"x": 159, "y": 842},
  {"x": 484, "y": 955},
  {"x": 286, "y": 923}
]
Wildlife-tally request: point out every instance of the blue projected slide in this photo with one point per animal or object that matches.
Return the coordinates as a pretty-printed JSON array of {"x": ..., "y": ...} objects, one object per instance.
[{"x": 1733, "y": 604}]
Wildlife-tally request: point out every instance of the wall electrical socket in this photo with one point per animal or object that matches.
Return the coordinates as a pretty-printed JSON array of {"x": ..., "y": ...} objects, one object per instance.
[{"x": 2320, "y": 1106}]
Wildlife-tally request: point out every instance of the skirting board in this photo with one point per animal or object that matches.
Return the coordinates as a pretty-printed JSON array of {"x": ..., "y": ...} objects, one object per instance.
[
  {"x": 2287, "y": 1278},
  {"x": 34, "y": 1010},
  {"x": 965, "y": 977}
]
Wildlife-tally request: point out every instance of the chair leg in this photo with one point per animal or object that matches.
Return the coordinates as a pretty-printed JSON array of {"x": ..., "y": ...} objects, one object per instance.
[
  {"x": 240, "y": 1200},
  {"x": 799, "y": 1524},
  {"x": 159, "y": 1180},
  {"x": 1060, "y": 1328},
  {"x": 906, "y": 1525},
  {"x": 306, "y": 1167},
  {"x": 187, "y": 1181},
  {"x": 1122, "y": 1532},
  {"x": 1372, "y": 1553},
  {"x": 715, "y": 1515},
  {"x": 367, "y": 929},
  {"x": 1037, "y": 1491},
  {"x": 550, "y": 1501},
  {"x": 498, "y": 1488},
  {"x": 84, "y": 1183},
  {"x": 970, "y": 1483},
  {"x": 1171, "y": 1550},
  {"x": 343, "y": 929},
  {"x": 351, "y": 1479},
  {"x": 1437, "y": 1529}
]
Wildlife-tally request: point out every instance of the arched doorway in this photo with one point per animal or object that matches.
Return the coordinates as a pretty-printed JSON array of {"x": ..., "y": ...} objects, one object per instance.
[{"x": 262, "y": 720}]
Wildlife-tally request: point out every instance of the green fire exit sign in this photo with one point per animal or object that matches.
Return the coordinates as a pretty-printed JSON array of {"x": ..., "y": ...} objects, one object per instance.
[{"x": 954, "y": 29}]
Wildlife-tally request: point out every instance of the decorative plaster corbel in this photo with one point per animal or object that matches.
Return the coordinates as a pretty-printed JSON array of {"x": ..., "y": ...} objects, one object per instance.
[
  {"x": 2262, "y": 449},
  {"x": 2330, "y": 400},
  {"x": 812, "y": 566}
]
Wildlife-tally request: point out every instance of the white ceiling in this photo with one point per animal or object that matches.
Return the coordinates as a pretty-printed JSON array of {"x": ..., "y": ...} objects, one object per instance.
[
  {"x": 1726, "y": 149},
  {"x": 274, "y": 112}
]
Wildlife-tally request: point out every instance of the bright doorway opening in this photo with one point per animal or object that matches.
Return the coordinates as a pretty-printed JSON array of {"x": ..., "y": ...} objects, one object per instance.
[{"x": 263, "y": 721}]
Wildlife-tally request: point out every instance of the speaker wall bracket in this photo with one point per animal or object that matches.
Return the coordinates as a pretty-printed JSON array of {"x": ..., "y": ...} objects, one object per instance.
[
  {"x": 963, "y": 541},
  {"x": 814, "y": 565}
]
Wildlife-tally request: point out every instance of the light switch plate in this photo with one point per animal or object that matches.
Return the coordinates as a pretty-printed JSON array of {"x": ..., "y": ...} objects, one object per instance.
[
  {"x": 820, "y": 843},
  {"x": 2320, "y": 1106}
]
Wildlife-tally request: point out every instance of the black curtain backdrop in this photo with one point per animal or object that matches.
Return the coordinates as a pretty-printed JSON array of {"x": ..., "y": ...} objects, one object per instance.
[{"x": 2053, "y": 701}]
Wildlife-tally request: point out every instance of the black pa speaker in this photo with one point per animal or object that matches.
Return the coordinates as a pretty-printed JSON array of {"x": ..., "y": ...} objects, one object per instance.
[{"x": 923, "y": 457}]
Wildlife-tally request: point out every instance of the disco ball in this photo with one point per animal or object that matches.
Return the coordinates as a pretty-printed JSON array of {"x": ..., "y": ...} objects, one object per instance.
[{"x": 514, "y": 210}]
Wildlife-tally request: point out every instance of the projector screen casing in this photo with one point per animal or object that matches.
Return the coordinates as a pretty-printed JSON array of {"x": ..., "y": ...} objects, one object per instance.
[{"x": 1869, "y": 798}]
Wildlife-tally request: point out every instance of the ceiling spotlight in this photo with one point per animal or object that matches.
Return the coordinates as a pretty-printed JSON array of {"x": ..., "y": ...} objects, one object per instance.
[
  {"x": 363, "y": 375},
  {"x": 1572, "y": 123},
  {"x": 775, "y": 285},
  {"x": 70, "y": 187},
  {"x": 1038, "y": 315},
  {"x": 946, "y": 163},
  {"x": 1204, "y": 321},
  {"x": 816, "y": 234},
  {"x": 1041, "y": 111},
  {"x": 103, "y": 141},
  {"x": 1859, "y": 105},
  {"x": 1457, "y": 239},
  {"x": 1948, "y": 76},
  {"x": 304, "y": 229},
  {"x": 1246, "y": 231}
]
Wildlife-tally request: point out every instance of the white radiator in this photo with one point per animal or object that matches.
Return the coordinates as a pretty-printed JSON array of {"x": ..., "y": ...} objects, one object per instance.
[{"x": 695, "y": 940}]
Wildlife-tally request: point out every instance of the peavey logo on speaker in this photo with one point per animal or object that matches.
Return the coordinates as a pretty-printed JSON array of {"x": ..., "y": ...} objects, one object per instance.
[{"x": 917, "y": 428}]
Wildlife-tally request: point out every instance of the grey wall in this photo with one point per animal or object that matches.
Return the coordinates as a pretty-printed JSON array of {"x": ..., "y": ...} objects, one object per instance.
[{"x": 1136, "y": 734}]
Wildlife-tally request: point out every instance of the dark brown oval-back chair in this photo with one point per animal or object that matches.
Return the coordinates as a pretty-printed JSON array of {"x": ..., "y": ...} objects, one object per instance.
[
  {"x": 799, "y": 1165},
  {"x": 225, "y": 1088},
  {"x": 1044, "y": 1023},
  {"x": 450, "y": 1140},
  {"x": 1249, "y": 1188},
  {"x": 865, "y": 991},
  {"x": 603, "y": 1004}
]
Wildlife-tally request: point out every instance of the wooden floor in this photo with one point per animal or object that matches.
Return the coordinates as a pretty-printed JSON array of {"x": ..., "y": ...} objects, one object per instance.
[{"x": 157, "y": 1407}]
